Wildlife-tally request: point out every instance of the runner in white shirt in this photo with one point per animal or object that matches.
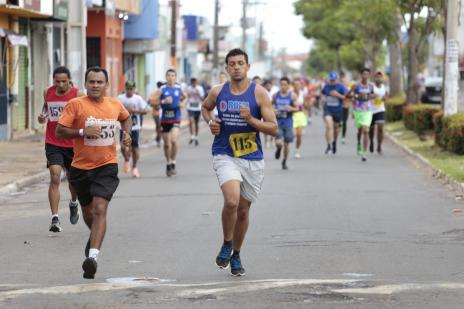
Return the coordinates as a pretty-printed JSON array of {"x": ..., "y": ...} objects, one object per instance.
[
  {"x": 195, "y": 95},
  {"x": 136, "y": 106},
  {"x": 378, "y": 109}
]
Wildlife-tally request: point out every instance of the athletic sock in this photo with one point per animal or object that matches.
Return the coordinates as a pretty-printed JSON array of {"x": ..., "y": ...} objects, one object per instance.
[
  {"x": 228, "y": 243},
  {"x": 236, "y": 253},
  {"x": 55, "y": 215},
  {"x": 93, "y": 253}
]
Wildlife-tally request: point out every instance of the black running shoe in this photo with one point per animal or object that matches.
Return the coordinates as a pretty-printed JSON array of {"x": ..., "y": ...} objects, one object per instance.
[
  {"x": 328, "y": 150},
  {"x": 278, "y": 151},
  {"x": 87, "y": 248},
  {"x": 284, "y": 165},
  {"x": 334, "y": 148},
  {"x": 73, "y": 212},
  {"x": 168, "y": 170},
  {"x": 223, "y": 258},
  {"x": 55, "y": 226},
  {"x": 191, "y": 141},
  {"x": 173, "y": 169},
  {"x": 196, "y": 142},
  {"x": 371, "y": 147},
  {"x": 90, "y": 268},
  {"x": 236, "y": 268},
  {"x": 363, "y": 158},
  {"x": 379, "y": 150}
]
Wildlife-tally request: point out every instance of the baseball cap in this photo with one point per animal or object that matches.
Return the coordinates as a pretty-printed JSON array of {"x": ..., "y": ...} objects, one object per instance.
[
  {"x": 130, "y": 84},
  {"x": 333, "y": 76}
]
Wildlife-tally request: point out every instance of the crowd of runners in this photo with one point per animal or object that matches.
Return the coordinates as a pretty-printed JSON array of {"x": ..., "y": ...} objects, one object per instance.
[{"x": 82, "y": 131}]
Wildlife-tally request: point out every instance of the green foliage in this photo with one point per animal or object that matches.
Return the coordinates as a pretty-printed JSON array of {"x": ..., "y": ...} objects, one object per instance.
[
  {"x": 394, "y": 109},
  {"x": 419, "y": 117},
  {"x": 321, "y": 60}
]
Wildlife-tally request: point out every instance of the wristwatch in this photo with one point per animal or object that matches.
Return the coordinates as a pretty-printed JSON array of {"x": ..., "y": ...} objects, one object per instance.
[
  {"x": 210, "y": 122},
  {"x": 81, "y": 132}
]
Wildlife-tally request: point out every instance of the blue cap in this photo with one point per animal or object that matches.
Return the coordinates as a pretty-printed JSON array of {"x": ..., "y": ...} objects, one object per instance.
[{"x": 333, "y": 75}]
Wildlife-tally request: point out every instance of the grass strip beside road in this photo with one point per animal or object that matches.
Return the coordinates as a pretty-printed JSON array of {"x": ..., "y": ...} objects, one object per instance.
[{"x": 448, "y": 162}]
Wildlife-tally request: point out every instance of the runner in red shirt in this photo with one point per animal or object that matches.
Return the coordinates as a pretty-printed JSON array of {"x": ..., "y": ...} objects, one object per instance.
[{"x": 59, "y": 152}]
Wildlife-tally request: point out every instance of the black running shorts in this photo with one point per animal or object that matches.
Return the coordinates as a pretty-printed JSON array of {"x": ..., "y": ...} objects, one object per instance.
[
  {"x": 56, "y": 155},
  {"x": 101, "y": 181}
]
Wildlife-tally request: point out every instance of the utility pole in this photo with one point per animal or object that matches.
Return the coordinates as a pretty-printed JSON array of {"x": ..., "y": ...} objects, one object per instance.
[
  {"x": 173, "y": 33},
  {"x": 244, "y": 23},
  {"x": 216, "y": 39},
  {"x": 452, "y": 58}
]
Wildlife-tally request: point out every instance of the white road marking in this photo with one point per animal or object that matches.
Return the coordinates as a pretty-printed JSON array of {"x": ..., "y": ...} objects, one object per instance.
[
  {"x": 399, "y": 288},
  {"x": 357, "y": 275}
]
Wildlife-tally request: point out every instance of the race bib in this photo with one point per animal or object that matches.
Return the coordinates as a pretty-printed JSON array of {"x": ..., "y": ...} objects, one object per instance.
[
  {"x": 106, "y": 138},
  {"x": 378, "y": 102},
  {"x": 135, "y": 120},
  {"x": 55, "y": 109},
  {"x": 332, "y": 101},
  {"x": 194, "y": 104},
  {"x": 243, "y": 143},
  {"x": 282, "y": 114},
  {"x": 169, "y": 114}
]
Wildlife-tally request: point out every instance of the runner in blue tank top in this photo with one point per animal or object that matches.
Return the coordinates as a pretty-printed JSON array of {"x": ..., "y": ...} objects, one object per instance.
[
  {"x": 170, "y": 98},
  {"x": 244, "y": 110},
  {"x": 283, "y": 102}
]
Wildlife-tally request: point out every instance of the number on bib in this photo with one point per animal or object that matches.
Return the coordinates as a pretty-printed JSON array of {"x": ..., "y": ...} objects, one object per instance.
[
  {"x": 106, "y": 137},
  {"x": 243, "y": 143},
  {"x": 378, "y": 102},
  {"x": 170, "y": 114}
]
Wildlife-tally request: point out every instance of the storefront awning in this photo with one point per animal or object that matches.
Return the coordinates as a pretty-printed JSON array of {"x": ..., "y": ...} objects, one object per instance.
[{"x": 14, "y": 38}]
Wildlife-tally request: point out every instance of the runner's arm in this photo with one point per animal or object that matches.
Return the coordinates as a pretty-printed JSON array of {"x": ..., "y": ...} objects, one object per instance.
[
  {"x": 126, "y": 125},
  {"x": 292, "y": 107},
  {"x": 155, "y": 100},
  {"x": 43, "y": 115},
  {"x": 208, "y": 106},
  {"x": 268, "y": 124}
]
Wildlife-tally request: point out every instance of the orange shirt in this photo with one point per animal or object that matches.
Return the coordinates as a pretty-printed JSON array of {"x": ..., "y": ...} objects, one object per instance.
[{"x": 90, "y": 153}]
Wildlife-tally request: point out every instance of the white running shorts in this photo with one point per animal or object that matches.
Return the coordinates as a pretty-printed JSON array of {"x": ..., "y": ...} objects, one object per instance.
[{"x": 250, "y": 173}]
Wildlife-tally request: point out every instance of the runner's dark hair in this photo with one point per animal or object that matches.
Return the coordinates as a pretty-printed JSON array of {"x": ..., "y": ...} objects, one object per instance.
[
  {"x": 62, "y": 70},
  {"x": 236, "y": 52},
  {"x": 96, "y": 69}
]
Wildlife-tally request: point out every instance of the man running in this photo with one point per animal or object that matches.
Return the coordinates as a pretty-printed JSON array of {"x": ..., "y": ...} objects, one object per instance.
[
  {"x": 59, "y": 152},
  {"x": 137, "y": 107},
  {"x": 363, "y": 93},
  {"x": 299, "y": 118},
  {"x": 244, "y": 110},
  {"x": 92, "y": 122},
  {"x": 195, "y": 94},
  {"x": 283, "y": 103},
  {"x": 333, "y": 94},
  {"x": 170, "y": 98},
  {"x": 156, "y": 114},
  {"x": 346, "y": 107},
  {"x": 378, "y": 110}
]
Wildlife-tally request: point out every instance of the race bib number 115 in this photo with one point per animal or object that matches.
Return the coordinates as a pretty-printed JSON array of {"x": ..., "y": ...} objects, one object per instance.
[{"x": 243, "y": 144}]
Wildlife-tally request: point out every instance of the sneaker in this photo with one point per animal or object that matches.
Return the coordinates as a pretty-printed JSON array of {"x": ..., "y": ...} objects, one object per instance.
[
  {"x": 284, "y": 165},
  {"x": 168, "y": 170},
  {"x": 73, "y": 212},
  {"x": 371, "y": 148},
  {"x": 196, "y": 142},
  {"x": 379, "y": 150},
  {"x": 55, "y": 227},
  {"x": 359, "y": 150},
  {"x": 343, "y": 141},
  {"x": 90, "y": 268},
  {"x": 363, "y": 157},
  {"x": 126, "y": 167},
  {"x": 191, "y": 141},
  {"x": 278, "y": 151},
  {"x": 135, "y": 172},
  {"x": 223, "y": 258},
  {"x": 297, "y": 154},
  {"x": 87, "y": 248},
  {"x": 328, "y": 150},
  {"x": 173, "y": 169},
  {"x": 334, "y": 148},
  {"x": 236, "y": 268}
]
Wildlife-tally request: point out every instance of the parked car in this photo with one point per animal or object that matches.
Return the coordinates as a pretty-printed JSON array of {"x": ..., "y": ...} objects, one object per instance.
[{"x": 433, "y": 90}]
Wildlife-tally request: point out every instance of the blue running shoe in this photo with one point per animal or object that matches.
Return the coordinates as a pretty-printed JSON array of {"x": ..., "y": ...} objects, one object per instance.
[
  {"x": 223, "y": 258},
  {"x": 236, "y": 266}
]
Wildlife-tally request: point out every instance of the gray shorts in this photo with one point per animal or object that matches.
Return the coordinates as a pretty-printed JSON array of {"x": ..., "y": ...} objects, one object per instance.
[{"x": 249, "y": 173}]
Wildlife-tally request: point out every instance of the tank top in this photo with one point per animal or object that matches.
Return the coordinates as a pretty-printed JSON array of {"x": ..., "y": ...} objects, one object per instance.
[
  {"x": 55, "y": 105},
  {"x": 237, "y": 138},
  {"x": 171, "y": 113},
  {"x": 284, "y": 118},
  {"x": 379, "y": 101}
]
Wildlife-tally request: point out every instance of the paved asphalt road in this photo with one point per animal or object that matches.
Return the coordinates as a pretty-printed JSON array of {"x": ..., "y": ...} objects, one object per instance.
[{"x": 331, "y": 232}]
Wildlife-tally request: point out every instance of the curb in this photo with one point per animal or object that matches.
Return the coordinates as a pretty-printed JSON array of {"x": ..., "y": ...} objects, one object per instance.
[
  {"x": 437, "y": 173},
  {"x": 21, "y": 183}
]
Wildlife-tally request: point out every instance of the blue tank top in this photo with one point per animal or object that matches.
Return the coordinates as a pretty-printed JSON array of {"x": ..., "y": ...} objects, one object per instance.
[
  {"x": 171, "y": 113},
  {"x": 284, "y": 118},
  {"x": 237, "y": 138}
]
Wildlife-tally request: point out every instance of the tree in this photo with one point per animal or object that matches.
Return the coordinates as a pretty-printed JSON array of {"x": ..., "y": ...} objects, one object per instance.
[{"x": 418, "y": 29}]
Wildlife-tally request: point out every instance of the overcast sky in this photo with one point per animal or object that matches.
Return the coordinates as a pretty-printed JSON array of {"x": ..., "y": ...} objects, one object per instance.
[{"x": 282, "y": 28}]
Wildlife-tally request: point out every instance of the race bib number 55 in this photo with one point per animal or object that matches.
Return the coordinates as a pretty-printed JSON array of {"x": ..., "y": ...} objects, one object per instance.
[
  {"x": 243, "y": 143},
  {"x": 106, "y": 137}
]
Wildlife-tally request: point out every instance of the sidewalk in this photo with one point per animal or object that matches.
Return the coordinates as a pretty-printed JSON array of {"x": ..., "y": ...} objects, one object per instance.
[{"x": 23, "y": 161}]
